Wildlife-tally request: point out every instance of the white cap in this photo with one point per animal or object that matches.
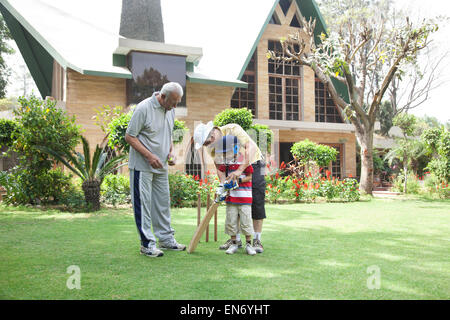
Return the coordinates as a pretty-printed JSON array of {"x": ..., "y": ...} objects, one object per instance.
[{"x": 201, "y": 132}]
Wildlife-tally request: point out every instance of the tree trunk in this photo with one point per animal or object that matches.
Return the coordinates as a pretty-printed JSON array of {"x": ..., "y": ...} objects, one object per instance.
[
  {"x": 366, "y": 142},
  {"x": 91, "y": 189}
]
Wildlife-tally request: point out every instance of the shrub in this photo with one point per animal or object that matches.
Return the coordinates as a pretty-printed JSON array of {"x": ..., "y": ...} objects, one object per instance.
[
  {"x": 307, "y": 151},
  {"x": 263, "y": 136},
  {"x": 119, "y": 125},
  {"x": 412, "y": 184},
  {"x": 179, "y": 129},
  {"x": 117, "y": 129},
  {"x": 259, "y": 133},
  {"x": 115, "y": 189},
  {"x": 40, "y": 123},
  {"x": 8, "y": 129},
  {"x": 53, "y": 186},
  {"x": 241, "y": 116},
  {"x": 183, "y": 189}
]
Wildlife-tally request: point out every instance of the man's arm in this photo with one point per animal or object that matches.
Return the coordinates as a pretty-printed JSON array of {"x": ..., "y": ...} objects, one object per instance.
[{"x": 139, "y": 147}]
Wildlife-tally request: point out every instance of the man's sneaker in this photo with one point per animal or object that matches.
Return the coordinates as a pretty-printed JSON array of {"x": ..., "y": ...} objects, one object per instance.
[
  {"x": 232, "y": 249},
  {"x": 172, "y": 246},
  {"x": 249, "y": 249},
  {"x": 227, "y": 244},
  {"x": 258, "y": 246},
  {"x": 152, "y": 252}
]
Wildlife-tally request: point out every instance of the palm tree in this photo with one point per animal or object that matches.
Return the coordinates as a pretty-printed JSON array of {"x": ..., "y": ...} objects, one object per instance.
[
  {"x": 406, "y": 152},
  {"x": 92, "y": 172}
]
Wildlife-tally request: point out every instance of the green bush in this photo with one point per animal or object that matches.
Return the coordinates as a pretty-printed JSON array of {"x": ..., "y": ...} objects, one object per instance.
[
  {"x": 115, "y": 189},
  {"x": 179, "y": 129},
  {"x": 307, "y": 151},
  {"x": 52, "y": 187},
  {"x": 119, "y": 125},
  {"x": 40, "y": 124},
  {"x": 261, "y": 134},
  {"x": 183, "y": 189},
  {"x": 412, "y": 185},
  {"x": 241, "y": 116},
  {"x": 8, "y": 129},
  {"x": 117, "y": 129}
]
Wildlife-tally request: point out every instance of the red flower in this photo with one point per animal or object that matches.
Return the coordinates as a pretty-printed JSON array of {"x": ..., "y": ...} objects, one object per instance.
[
  {"x": 278, "y": 191},
  {"x": 277, "y": 175},
  {"x": 270, "y": 186},
  {"x": 282, "y": 165},
  {"x": 200, "y": 182},
  {"x": 297, "y": 185},
  {"x": 317, "y": 186},
  {"x": 306, "y": 185},
  {"x": 296, "y": 194},
  {"x": 328, "y": 173},
  {"x": 208, "y": 172},
  {"x": 350, "y": 175}
]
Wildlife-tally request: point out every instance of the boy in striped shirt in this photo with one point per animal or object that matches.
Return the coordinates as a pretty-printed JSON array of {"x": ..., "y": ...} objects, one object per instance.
[{"x": 239, "y": 200}]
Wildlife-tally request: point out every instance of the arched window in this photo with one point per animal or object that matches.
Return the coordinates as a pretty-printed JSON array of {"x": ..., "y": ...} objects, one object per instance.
[{"x": 193, "y": 164}]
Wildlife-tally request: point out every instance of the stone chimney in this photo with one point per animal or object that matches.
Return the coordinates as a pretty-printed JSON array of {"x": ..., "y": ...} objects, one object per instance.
[{"x": 142, "y": 20}]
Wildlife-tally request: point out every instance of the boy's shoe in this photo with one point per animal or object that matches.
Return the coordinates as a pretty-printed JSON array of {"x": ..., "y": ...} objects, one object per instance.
[
  {"x": 152, "y": 252},
  {"x": 258, "y": 246},
  {"x": 172, "y": 246},
  {"x": 227, "y": 244},
  {"x": 232, "y": 249},
  {"x": 249, "y": 249}
]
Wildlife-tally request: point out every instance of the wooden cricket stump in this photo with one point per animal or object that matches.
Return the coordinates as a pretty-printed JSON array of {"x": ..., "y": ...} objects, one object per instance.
[{"x": 199, "y": 214}]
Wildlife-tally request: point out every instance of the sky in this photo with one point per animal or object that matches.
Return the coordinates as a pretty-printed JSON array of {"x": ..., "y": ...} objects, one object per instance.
[{"x": 437, "y": 105}]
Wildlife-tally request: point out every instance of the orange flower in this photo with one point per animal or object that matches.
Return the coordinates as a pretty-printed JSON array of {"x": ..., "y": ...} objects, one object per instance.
[
  {"x": 278, "y": 191},
  {"x": 350, "y": 175},
  {"x": 208, "y": 172},
  {"x": 270, "y": 186}
]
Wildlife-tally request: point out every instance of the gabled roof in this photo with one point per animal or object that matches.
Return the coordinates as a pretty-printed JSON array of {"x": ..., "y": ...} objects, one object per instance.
[{"x": 84, "y": 34}]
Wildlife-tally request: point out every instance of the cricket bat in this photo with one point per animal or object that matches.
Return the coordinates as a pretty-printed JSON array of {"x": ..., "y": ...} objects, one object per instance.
[{"x": 202, "y": 227}]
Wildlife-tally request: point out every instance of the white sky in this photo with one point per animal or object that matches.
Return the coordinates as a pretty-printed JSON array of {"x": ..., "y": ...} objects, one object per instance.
[{"x": 437, "y": 105}]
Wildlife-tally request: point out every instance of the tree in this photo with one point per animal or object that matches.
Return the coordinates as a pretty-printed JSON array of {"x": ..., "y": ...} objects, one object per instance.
[
  {"x": 4, "y": 49},
  {"x": 364, "y": 53},
  {"x": 407, "y": 148}
]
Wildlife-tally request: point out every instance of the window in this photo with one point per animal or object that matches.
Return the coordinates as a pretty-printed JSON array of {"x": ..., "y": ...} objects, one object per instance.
[
  {"x": 284, "y": 87},
  {"x": 274, "y": 19},
  {"x": 285, "y": 4},
  {"x": 246, "y": 98},
  {"x": 295, "y": 23},
  {"x": 326, "y": 110},
  {"x": 193, "y": 163},
  {"x": 150, "y": 71}
]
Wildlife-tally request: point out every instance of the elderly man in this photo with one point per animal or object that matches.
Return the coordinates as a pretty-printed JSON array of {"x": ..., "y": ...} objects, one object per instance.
[
  {"x": 149, "y": 134},
  {"x": 208, "y": 135}
]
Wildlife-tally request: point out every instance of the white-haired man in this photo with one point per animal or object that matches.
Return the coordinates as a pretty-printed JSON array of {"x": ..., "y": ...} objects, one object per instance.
[
  {"x": 208, "y": 135},
  {"x": 149, "y": 134}
]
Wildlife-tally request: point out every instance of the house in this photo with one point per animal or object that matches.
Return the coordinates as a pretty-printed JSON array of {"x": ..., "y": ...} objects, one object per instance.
[{"x": 86, "y": 54}]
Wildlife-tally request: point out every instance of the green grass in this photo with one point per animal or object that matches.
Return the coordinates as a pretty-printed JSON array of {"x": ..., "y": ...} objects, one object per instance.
[{"x": 312, "y": 251}]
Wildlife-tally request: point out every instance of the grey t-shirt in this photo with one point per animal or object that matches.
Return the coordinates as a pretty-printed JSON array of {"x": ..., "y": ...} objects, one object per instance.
[{"x": 153, "y": 126}]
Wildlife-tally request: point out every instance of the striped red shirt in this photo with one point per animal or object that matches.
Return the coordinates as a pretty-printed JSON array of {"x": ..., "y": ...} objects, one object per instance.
[{"x": 243, "y": 194}]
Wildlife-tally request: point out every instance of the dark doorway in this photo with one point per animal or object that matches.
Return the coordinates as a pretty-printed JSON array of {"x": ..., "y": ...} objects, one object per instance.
[{"x": 285, "y": 152}]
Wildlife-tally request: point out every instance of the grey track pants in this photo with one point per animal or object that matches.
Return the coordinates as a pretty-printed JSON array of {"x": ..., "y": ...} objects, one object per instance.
[{"x": 150, "y": 197}]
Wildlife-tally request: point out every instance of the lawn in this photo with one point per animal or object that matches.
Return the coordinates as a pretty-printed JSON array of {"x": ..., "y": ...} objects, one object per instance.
[{"x": 312, "y": 251}]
